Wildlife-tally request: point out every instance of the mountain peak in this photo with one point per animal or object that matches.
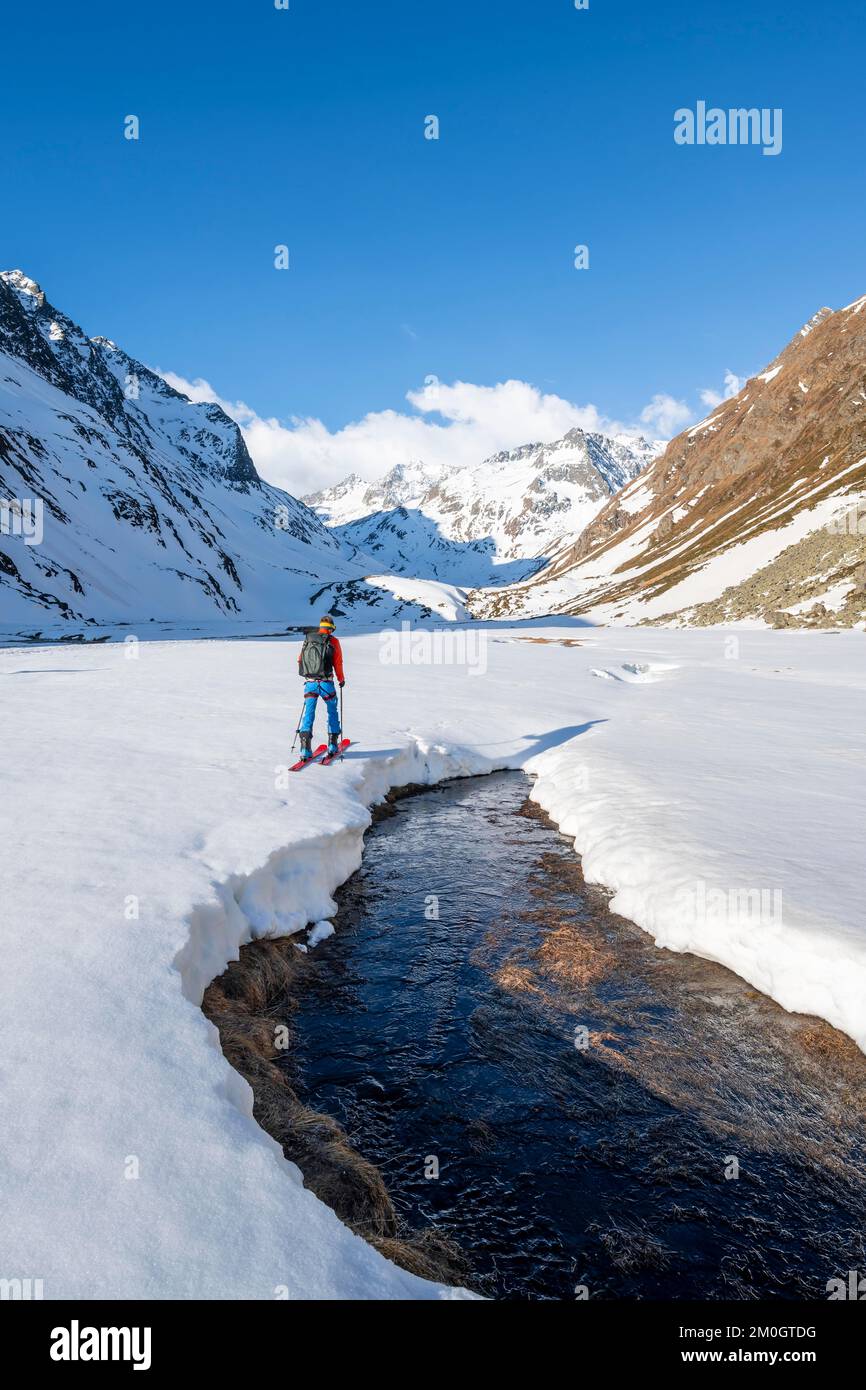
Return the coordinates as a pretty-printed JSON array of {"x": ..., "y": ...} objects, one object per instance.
[
  {"x": 17, "y": 280},
  {"x": 813, "y": 322}
]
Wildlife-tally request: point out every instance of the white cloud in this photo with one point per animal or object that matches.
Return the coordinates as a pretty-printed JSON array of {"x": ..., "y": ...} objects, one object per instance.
[
  {"x": 733, "y": 385},
  {"x": 666, "y": 416},
  {"x": 457, "y": 424}
]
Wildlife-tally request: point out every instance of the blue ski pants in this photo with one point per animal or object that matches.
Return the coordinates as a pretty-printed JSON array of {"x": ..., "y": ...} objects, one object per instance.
[{"x": 328, "y": 692}]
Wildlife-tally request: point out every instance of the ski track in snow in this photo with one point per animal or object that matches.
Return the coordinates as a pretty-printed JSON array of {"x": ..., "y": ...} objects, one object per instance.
[{"x": 153, "y": 784}]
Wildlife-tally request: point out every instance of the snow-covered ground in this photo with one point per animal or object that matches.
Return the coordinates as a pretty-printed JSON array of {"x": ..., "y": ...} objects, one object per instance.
[
  {"x": 714, "y": 779},
  {"x": 446, "y": 600}
]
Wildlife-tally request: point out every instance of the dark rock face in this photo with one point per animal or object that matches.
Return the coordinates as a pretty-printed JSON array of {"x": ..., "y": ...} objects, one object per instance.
[{"x": 97, "y": 373}]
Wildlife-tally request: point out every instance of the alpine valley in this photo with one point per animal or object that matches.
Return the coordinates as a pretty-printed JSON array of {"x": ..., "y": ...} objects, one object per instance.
[{"x": 152, "y": 511}]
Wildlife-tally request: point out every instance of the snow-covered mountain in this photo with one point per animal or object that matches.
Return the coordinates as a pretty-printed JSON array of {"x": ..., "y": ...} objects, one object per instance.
[
  {"x": 354, "y": 498},
  {"x": 493, "y": 523},
  {"x": 124, "y": 502},
  {"x": 756, "y": 514},
  {"x": 408, "y": 542}
]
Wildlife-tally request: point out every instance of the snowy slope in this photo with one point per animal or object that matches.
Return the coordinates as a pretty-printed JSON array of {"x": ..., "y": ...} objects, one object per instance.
[
  {"x": 170, "y": 806},
  {"x": 152, "y": 508},
  {"x": 528, "y": 499},
  {"x": 491, "y": 524},
  {"x": 443, "y": 600},
  {"x": 354, "y": 498},
  {"x": 407, "y": 542}
]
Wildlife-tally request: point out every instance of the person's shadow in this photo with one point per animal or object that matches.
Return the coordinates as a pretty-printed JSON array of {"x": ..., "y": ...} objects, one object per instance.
[
  {"x": 554, "y": 737},
  {"x": 542, "y": 742}
]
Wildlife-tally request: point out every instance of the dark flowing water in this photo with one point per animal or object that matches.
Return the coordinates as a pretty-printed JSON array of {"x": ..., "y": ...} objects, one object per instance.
[{"x": 452, "y": 1037}]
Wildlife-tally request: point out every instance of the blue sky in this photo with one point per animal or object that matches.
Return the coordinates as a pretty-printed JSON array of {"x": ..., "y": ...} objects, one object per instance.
[{"x": 412, "y": 258}]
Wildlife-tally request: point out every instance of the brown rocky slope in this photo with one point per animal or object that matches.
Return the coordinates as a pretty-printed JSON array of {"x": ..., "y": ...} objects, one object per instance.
[{"x": 757, "y": 512}]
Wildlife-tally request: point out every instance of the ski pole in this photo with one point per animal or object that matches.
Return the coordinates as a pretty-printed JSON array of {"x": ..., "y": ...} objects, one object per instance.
[
  {"x": 298, "y": 729},
  {"x": 342, "y": 725}
]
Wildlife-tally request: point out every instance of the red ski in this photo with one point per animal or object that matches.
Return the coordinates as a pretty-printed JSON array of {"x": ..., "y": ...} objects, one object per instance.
[
  {"x": 305, "y": 762},
  {"x": 344, "y": 744}
]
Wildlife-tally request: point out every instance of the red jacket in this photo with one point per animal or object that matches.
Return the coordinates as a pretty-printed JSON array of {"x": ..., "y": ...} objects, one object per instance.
[{"x": 337, "y": 653}]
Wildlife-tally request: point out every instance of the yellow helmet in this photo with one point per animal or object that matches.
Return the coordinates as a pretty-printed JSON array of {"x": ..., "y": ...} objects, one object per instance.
[{"x": 327, "y": 622}]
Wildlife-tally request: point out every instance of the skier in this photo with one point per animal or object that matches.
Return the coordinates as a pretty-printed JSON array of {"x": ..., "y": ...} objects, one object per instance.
[{"x": 320, "y": 659}]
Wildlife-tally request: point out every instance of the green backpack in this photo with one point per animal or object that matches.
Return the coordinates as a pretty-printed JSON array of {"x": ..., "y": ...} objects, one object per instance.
[{"x": 317, "y": 657}]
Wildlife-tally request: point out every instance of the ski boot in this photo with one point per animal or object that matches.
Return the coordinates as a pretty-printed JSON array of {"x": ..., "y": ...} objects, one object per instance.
[
  {"x": 306, "y": 746},
  {"x": 333, "y": 743}
]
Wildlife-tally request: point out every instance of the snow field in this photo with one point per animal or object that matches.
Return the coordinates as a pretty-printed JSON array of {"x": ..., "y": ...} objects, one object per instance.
[{"x": 154, "y": 830}]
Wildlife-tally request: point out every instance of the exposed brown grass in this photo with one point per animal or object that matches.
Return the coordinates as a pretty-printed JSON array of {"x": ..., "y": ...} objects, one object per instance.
[
  {"x": 631, "y": 1248},
  {"x": 518, "y": 979},
  {"x": 572, "y": 958}
]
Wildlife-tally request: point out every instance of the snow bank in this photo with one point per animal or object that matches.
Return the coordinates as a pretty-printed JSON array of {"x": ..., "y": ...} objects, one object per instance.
[
  {"x": 727, "y": 813},
  {"x": 150, "y": 839}
]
